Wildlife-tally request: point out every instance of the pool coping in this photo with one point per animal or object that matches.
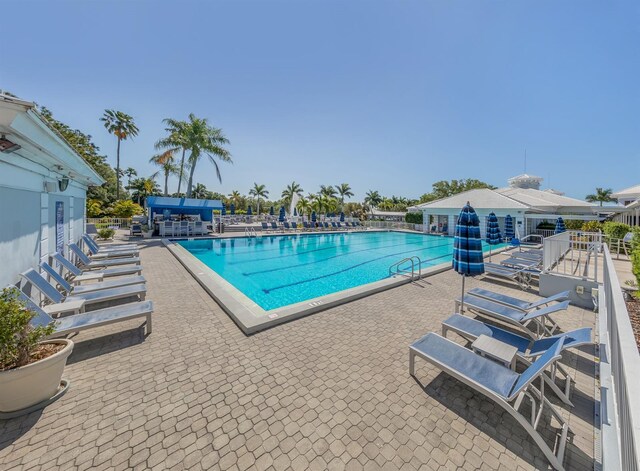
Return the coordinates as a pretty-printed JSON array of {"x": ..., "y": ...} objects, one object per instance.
[{"x": 252, "y": 318}]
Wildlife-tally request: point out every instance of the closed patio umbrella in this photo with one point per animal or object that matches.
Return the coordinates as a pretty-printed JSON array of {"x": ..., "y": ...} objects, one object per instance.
[
  {"x": 493, "y": 232},
  {"x": 508, "y": 228},
  {"x": 271, "y": 212},
  {"x": 223, "y": 211},
  {"x": 249, "y": 211},
  {"x": 281, "y": 215},
  {"x": 295, "y": 211},
  {"x": 341, "y": 216},
  {"x": 467, "y": 246},
  {"x": 560, "y": 227},
  {"x": 232, "y": 209},
  {"x": 313, "y": 216}
]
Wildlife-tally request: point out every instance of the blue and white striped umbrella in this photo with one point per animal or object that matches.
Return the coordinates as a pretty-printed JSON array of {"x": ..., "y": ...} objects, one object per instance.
[
  {"x": 313, "y": 216},
  {"x": 281, "y": 216},
  {"x": 232, "y": 209},
  {"x": 223, "y": 211},
  {"x": 249, "y": 211},
  {"x": 271, "y": 212},
  {"x": 493, "y": 232},
  {"x": 508, "y": 228},
  {"x": 341, "y": 216},
  {"x": 560, "y": 227},
  {"x": 467, "y": 246},
  {"x": 295, "y": 211}
]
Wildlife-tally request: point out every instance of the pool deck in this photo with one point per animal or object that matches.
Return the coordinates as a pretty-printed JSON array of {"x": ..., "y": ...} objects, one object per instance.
[{"x": 327, "y": 391}]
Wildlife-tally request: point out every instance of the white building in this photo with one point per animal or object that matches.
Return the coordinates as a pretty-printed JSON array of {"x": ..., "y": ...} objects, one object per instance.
[
  {"x": 522, "y": 200},
  {"x": 630, "y": 199},
  {"x": 43, "y": 185}
]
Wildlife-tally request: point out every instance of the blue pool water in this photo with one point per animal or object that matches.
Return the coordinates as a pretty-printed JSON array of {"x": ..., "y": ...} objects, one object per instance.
[{"x": 275, "y": 271}]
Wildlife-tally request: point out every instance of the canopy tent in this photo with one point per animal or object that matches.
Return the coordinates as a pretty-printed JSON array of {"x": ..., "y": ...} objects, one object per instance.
[{"x": 167, "y": 206}]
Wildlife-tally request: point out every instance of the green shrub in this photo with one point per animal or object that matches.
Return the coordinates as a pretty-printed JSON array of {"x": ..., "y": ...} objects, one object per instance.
[
  {"x": 574, "y": 224},
  {"x": 591, "y": 226},
  {"x": 413, "y": 218},
  {"x": 18, "y": 338},
  {"x": 126, "y": 209},
  {"x": 546, "y": 225},
  {"x": 635, "y": 241},
  {"x": 635, "y": 264},
  {"x": 615, "y": 230},
  {"x": 106, "y": 233}
]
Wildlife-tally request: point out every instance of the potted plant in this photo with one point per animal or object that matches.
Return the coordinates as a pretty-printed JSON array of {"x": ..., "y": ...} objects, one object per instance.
[
  {"x": 106, "y": 233},
  {"x": 30, "y": 367},
  {"x": 147, "y": 232}
]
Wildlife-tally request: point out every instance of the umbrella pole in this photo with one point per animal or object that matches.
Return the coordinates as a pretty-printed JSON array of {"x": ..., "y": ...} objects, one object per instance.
[{"x": 462, "y": 297}]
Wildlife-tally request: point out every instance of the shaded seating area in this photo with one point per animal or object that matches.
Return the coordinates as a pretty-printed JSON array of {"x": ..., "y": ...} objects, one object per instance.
[{"x": 181, "y": 217}]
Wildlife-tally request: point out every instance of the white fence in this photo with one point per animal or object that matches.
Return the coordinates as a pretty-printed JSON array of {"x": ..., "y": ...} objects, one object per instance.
[
  {"x": 573, "y": 253},
  {"x": 619, "y": 378},
  {"x": 394, "y": 225},
  {"x": 101, "y": 223}
]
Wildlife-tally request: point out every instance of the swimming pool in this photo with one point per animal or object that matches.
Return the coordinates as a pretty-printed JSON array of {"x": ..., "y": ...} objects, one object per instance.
[{"x": 276, "y": 271}]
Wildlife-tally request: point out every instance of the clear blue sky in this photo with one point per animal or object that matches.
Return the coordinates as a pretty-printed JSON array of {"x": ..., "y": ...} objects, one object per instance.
[{"x": 385, "y": 95}]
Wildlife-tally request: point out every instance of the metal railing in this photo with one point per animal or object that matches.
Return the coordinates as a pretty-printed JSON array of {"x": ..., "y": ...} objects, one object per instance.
[
  {"x": 572, "y": 253},
  {"x": 397, "y": 269},
  {"x": 102, "y": 223},
  {"x": 544, "y": 232},
  {"x": 394, "y": 225},
  {"x": 619, "y": 373}
]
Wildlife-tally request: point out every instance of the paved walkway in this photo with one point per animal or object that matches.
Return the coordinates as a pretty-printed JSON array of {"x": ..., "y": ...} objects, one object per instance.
[{"x": 329, "y": 391}]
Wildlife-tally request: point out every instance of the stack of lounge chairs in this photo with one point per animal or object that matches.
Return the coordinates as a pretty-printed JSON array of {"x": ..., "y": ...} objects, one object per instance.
[
  {"x": 67, "y": 291},
  {"x": 489, "y": 363},
  {"x": 521, "y": 267}
]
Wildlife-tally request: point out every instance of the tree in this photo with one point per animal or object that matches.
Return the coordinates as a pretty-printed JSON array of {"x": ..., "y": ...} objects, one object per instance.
[
  {"x": 328, "y": 191},
  {"x": 126, "y": 209},
  {"x": 94, "y": 208},
  {"x": 236, "y": 198},
  {"x": 167, "y": 166},
  {"x": 386, "y": 204},
  {"x": 344, "y": 190},
  {"x": 200, "y": 192},
  {"x": 373, "y": 199},
  {"x": 143, "y": 187},
  {"x": 601, "y": 196},
  {"x": 303, "y": 206},
  {"x": 130, "y": 172},
  {"x": 287, "y": 194},
  {"x": 176, "y": 140},
  {"x": 258, "y": 191},
  {"x": 202, "y": 139},
  {"x": 122, "y": 126}
]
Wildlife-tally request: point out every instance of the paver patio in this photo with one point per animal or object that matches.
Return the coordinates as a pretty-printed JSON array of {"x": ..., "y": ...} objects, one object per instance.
[{"x": 329, "y": 391}]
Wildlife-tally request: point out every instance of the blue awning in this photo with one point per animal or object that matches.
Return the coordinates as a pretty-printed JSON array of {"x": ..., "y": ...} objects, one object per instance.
[{"x": 166, "y": 202}]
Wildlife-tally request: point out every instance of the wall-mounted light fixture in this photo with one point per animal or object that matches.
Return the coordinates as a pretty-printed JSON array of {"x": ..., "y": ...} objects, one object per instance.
[
  {"x": 7, "y": 146},
  {"x": 63, "y": 184}
]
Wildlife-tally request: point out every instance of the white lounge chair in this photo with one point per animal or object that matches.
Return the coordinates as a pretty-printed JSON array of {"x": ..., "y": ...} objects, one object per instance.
[
  {"x": 77, "y": 303},
  {"x": 71, "y": 290},
  {"x": 518, "y": 303},
  {"x": 88, "y": 239},
  {"x": 87, "y": 262},
  {"x": 515, "y": 317},
  {"x": 502, "y": 385},
  {"x": 471, "y": 329},
  {"x": 96, "y": 252},
  {"x": 77, "y": 276},
  {"x": 89, "y": 320}
]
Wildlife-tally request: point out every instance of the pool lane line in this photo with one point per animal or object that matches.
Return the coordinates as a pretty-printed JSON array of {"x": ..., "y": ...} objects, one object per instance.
[
  {"x": 268, "y": 290},
  {"x": 288, "y": 267}
]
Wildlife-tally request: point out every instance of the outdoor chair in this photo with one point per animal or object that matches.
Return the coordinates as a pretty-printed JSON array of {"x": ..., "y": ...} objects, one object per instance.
[
  {"x": 471, "y": 329},
  {"x": 518, "y": 303},
  {"x": 520, "y": 276},
  {"x": 89, "y": 320},
  {"x": 294, "y": 226},
  {"x": 326, "y": 225},
  {"x": 521, "y": 263},
  {"x": 184, "y": 228},
  {"x": 135, "y": 230},
  {"x": 274, "y": 227},
  {"x": 86, "y": 237},
  {"x": 166, "y": 229},
  {"x": 286, "y": 226},
  {"x": 502, "y": 385},
  {"x": 515, "y": 317},
  {"x": 77, "y": 303},
  {"x": 76, "y": 275},
  {"x": 265, "y": 228},
  {"x": 334, "y": 226},
  {"x": 87, "y": 262},
  {"x": 71, "y": 290},
  {"x": 99, "y": 252}
]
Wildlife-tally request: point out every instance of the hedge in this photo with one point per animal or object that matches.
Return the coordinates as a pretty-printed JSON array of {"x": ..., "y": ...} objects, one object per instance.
[
  {"x": 615, "y": 230},
  {"x": 413, "y": 218}
]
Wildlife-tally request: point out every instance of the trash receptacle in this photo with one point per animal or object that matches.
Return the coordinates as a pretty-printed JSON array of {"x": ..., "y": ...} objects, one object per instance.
[{"x": 221, "y": 227}]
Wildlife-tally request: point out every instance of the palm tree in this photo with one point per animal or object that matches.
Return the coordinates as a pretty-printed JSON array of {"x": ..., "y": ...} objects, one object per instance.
[
  {"x": 602, "y": 196},
  {"x": 176, "y": 140},
  {"x": 328, "y": 191},
  {"x": 344, "y": 190},
  {"x": 292, "y": 189},
  {"x": 304, "y": 207},
  {"x": 200, "y": 192},
  {"x": 373, "y": 199},
  {"x": 130, "y": 172},
  {"x": 122, "y": 126},
  {"x": 235, "y": 197},
  {"x": 144, "y": 187},
  {"x": 258, "y": 191},
  {"x": 166, "y": 163},
  {"x": 386, "y": 204},
  {"x": 202, "y": 139}
]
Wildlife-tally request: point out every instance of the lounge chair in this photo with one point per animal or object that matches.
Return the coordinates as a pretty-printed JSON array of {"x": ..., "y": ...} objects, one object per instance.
[
  {"x": 502, "y": 385},
  {"x": 71, "y": 290},
  {"x": 88, "y": 239},
  {"x": 265, "y": 228},
  {"x": 339, "y": 226},
  {"x": 274, "y": 227},
  {"x": 518, "y": 303},
  {"x": 517, "y": 262},
  {"x": 78, "y": 302},
  {"x": 78, "y": 276},
  {"x": 334, "y": 226},
  {"x": 85, "y": 261},
  {"x": 99, "y": 252},
  {"x": 89, "y": 320},
  {"x": 286, "y": 226},
  {"x": 471, "y": 329},
  {"x": 521, "y": 276},
  {"x": 326, "y": 225},
  {"x": 294, "y": 226},
  {"x": 515, "y": 317},
  {"x": 135, "y": 230}
]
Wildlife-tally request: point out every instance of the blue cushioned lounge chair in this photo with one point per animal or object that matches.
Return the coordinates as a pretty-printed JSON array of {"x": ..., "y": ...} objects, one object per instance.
[{"x": 502, "y": 385}]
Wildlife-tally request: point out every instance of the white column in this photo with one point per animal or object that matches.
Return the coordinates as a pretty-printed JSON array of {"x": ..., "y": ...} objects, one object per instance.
[
  {"x": 451, "y": 230},
  {"x": 71, "y": 221},
  {"x": 44, "y": 227}
]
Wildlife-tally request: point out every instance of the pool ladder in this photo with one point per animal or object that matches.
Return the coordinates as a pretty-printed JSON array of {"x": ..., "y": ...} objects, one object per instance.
[
  {"x": 414, "y": 274},
  {"x": 250, "y": 232}
]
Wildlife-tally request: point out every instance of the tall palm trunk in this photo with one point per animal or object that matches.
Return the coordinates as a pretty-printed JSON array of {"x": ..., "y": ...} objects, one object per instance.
[
  {"x": 181, "y": 169},
  {"x": 166, "y": 183},
  {"x": 191, "y": 172},
  {"x": 118, "y": 171},
  {"x": 258, "y": 210}
]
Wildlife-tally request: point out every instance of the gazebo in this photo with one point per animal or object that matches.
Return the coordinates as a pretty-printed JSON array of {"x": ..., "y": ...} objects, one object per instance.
[{"x": 164, "y": 208}]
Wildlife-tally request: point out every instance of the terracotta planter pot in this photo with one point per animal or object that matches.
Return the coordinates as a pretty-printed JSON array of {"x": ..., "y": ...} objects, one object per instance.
[{"x": 29, "y": 385}]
